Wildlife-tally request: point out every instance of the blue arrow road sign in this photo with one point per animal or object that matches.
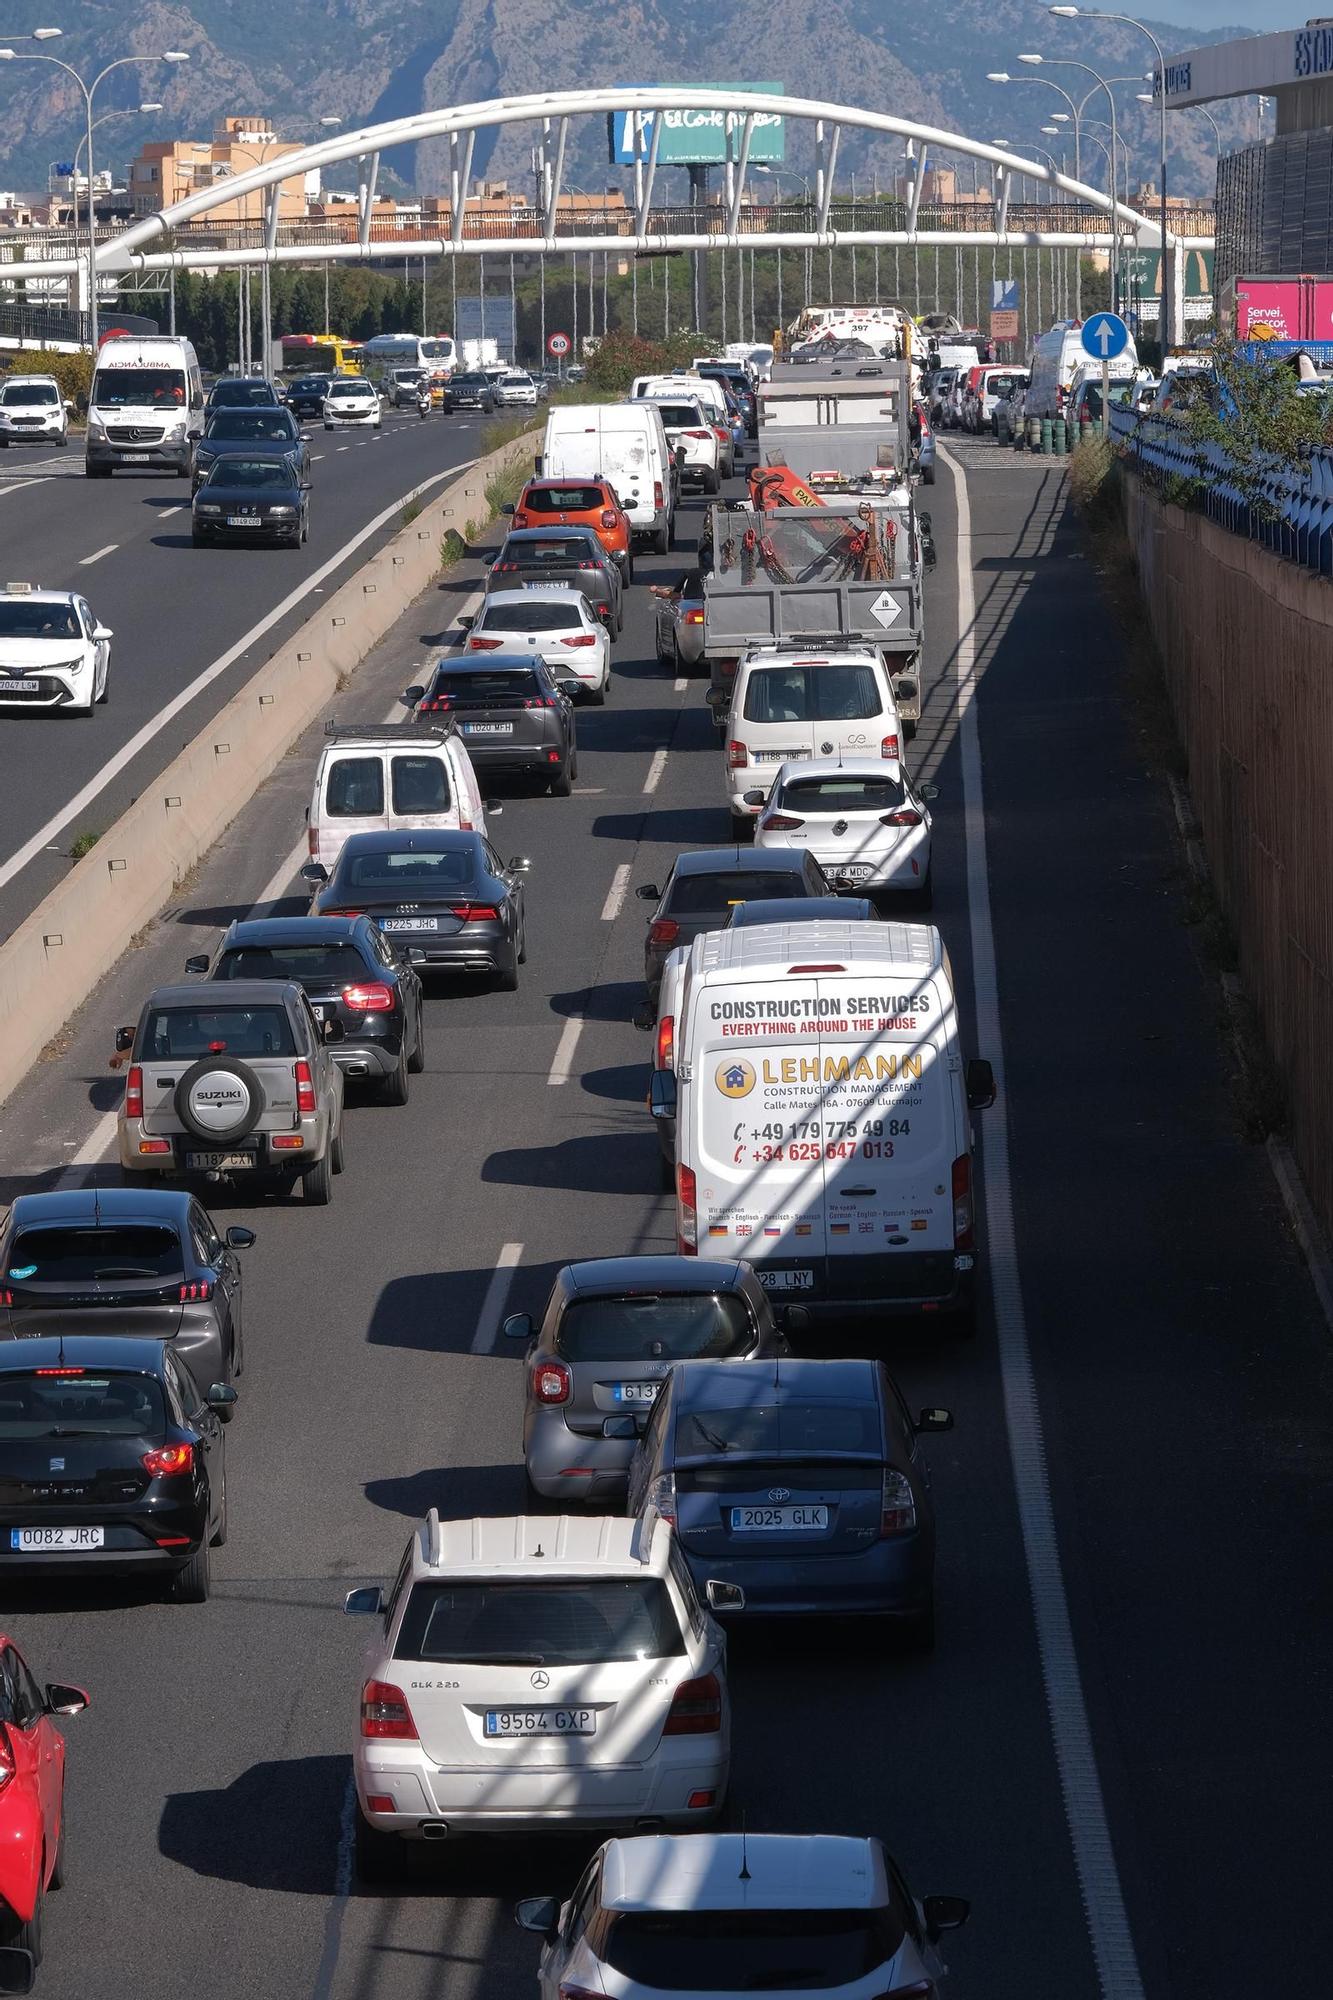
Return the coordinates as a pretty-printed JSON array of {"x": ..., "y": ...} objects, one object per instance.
[{"x": 1104, "y": 336}]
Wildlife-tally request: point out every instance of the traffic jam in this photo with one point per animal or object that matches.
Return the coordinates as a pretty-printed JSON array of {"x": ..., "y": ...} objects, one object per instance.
[{"x": 698, "y": 1452}]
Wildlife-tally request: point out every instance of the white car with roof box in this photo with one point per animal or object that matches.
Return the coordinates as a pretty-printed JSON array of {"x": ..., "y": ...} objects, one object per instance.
[
  {"x": 626, "y": 444},
  {"x": 864, "y": 821},
  {"x": 394, "y": 777},
  {"x": 553, "y": 620},
  {"x": 53, "y": 653},
  {"x": 531, "y": 1675},
  {"x": 719, "y": 1915},
  {"x": 33, "y": 411},
  {"x": 797, "y": 703},
  {"x": 822, "y": 1110}
]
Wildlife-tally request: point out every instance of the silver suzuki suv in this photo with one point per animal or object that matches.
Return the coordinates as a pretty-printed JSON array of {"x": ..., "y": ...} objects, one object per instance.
[{"x": 234, "y": 1080}]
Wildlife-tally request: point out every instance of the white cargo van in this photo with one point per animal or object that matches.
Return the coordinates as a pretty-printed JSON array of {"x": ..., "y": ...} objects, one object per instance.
[
  {"x": 146, "y": 405},
  {"x": 822, "y": 1109},
  {"x": 391, "y": 778},
  {"x": 627, "y": 444},
  {"x": 796, "y": 702},
  {"x": 1057, "y": 358}
]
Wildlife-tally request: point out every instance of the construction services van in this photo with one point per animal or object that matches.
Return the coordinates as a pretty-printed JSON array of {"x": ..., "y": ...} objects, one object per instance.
[{"x": 822, "y": 1107}]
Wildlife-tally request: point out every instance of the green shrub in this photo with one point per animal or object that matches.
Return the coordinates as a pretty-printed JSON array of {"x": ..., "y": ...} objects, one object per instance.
[{"x": 74, "y": 372}]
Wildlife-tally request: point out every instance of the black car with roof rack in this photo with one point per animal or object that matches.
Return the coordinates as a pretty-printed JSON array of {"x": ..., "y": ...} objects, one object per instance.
[{"x": 511, "y": 711}]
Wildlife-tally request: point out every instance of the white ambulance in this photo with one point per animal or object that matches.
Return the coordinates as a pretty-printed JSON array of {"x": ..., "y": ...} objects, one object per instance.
[{"x": 822, "y": 1109}]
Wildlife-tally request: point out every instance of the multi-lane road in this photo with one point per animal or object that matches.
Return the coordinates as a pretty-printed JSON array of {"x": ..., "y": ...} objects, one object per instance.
[{"x": 1120, "y": 1747}]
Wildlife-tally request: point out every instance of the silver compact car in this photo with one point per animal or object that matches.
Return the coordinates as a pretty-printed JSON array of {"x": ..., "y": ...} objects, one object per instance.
[{"x": 611, "y": 1330}]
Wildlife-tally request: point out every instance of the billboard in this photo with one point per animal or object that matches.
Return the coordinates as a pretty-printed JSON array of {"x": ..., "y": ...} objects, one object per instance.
[
  {"x": 696, "y": 135},
  {"x": 491, "y": 318}
]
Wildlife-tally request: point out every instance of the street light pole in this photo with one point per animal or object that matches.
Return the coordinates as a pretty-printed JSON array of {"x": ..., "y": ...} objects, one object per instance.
[
  {"x": 1003, "y": 76},
  {"x": 1102, "y": 83}
]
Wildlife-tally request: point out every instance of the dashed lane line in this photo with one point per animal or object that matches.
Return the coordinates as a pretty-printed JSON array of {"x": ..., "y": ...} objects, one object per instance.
[
  {"x": 563, "y": 1064},
  {"x": 615, "y": 895},
  {"x": 97, "y": 555},
  {"x": 655, "y": 770},
  {"x": 496, "y": 1299}
]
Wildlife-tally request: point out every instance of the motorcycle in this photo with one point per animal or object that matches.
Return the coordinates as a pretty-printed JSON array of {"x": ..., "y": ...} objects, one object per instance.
[{"x": 423, "y": 401}]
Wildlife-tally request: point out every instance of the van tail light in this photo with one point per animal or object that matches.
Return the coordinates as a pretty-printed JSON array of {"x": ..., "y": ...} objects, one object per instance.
[
  {"x": 550, "y": 1382},
  {"x": 312, "y": 842},
  {"x": 666, "y": 1041},
  {"x": 663, "y": 930},
  {"x": 484, "y": 645},
  {"x": 694, "y": 618},
  {"x": 168, "y": 1461},
  {"x": 608, "y": 518},
  {"x": 905, "y": 816},
  {"x": 780, "y": 822},
  {"x": 134, "y": 1093},
  {"x": 657, "y": 493},
  {"x": 474, "y": 913},
  {"x": 661, "y": 1497},
  {"x": 696, "y": 1708},
  {"x": 374, "y": 997},
  {"x": 581, "y": 639},
  {"x": 305, "y": 1088},
  {"x": 196, "y": 1291},
  {"x": 687, "y": 1222},
  {"x": 721, "y": 433},
  {"x": 897, "y": 1504},
  {"x": 962, "y": 1202},
  {"x": 889, "y": 747},
  {"x": 738, "y": 756},
  {"x": 385, "y": 1713}
]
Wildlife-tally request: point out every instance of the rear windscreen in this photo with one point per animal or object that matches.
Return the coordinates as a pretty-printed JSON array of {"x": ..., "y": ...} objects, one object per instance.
[
  {"x": 843, "y": 795},
  {"x": 812, "y": 694},
  {"x": 562, "y": 499},
  {"x": 512, "y": 613},
  {"x": 712, "y": 895},
  {"x": 354, "y": 788},
  {"x": 677, "y": 1328},
  {"x": 77, "y": 1402},
  {"x": 555, "y": 549},
  {"x": 740, "y": 1951},
  {"x": 420, "y": 784},
  {"x": 680, "y": 416},
  {"x": 786, "y": 1430},
  {"x": 410, "y": 871},
  {"x": 510, "y": 685},
  {"x": 191, "y": 1032},
  {"x": 582, "y": 1622},
  {"x": 307, "y": 964},
  {"x": 77, "y": 1256}
]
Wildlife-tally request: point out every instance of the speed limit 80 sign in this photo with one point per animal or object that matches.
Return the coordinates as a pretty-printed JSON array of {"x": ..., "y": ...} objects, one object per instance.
[{"x": 558, "y": 346}]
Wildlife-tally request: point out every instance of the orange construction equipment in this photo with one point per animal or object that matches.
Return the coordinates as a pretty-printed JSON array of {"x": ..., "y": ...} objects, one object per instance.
[{"x": 778, "y": 486}]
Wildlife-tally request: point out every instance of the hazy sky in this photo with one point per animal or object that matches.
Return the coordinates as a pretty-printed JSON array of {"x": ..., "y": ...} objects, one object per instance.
[{"x": 1261, "y": 17}]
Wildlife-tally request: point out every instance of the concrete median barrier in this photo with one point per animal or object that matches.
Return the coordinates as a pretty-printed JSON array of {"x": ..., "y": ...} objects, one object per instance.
[{"x": 54, "y": 960}]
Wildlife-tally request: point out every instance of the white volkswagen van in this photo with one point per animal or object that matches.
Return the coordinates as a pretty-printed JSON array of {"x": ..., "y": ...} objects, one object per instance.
[
  {"x": 797, "y": 702},
  {"x": 823, "y": 1116},
  {"x": 391, "y": 778}
]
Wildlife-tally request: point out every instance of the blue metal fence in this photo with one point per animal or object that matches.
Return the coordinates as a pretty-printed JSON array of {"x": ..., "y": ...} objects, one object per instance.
[{"x": 1288, "y": 510}]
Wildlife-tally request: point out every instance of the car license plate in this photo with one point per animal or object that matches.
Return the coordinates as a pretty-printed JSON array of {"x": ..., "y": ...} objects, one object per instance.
[
  {"x": 409, "y": 923},
  {"x": 220, "y": 1163},
  {"x": 636, "y": 1392},
  {"x": 43, "y": 1541},
  {"x": 488, "y": 729},
  {"x": 785, "y": 1281},
  {"x": 855, "y": 871},
  {"x": 541, "y": 1722},
  {"x": 18, "y": 687},
  {"x": 776, "y": 756},
  {"x": 135, "y": 457},
  {"x": 242, "y": 520},
  {"x": 763, "y": 1520}
]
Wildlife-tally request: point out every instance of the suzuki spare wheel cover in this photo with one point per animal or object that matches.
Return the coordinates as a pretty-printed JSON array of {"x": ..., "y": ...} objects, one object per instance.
[{"x": 219, "y": 1099}]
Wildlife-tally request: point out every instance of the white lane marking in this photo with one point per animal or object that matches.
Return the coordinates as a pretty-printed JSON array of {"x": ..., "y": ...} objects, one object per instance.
[
  {"x": 680, "y": 685},
  {"x": 615, "y": 895},
  {"x": 342, "y": 1889},
  {"x": 315, "y": 456},
  {"x": 97, "y": 555},
  {"x": 129, "y": 751},
  {"x": 23, "y": 485},
  {"x": 1071, "y": 1732},
  {"x": 497, "y": 1294},
  {"x": 167, "y": 512},
  {"x": 94, "y": 1149},
  {"x": 564, "y": 1051},
  {"x": 655, "y": 770},
  {"x": 275, "y": 889},
  {"x": 343, "y": 447}
]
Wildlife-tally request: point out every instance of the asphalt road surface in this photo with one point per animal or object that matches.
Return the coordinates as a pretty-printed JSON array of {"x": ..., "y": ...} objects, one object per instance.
[{"x": 1155, "y": 1366}]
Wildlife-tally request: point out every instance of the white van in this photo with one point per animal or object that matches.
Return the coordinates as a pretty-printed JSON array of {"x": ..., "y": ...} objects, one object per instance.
[
  {"x": 391, "y": 778},
  {"x": 625, "y": 443},
  {"x": 1057, "y": 358},
  {"x": 822, "y": 1107},
  {"x": 146, "y": 405},
  {"x": 794, "y": 703}
]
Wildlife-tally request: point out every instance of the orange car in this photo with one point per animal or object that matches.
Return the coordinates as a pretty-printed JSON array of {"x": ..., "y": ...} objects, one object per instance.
[{"x": 578, "y": 503}]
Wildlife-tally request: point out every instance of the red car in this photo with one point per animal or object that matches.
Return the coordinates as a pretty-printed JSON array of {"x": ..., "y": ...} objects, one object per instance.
[{"x": 32, "y": 1803}]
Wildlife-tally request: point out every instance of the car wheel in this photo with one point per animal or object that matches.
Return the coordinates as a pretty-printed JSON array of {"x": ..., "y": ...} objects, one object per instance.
[
  {"x": 666, "y": 1173},
  {"x": 597, "y": 696},
  {"x": 87, "y": 710},
  {"x": 336, "y": 1150},
  {"x": 628, "y": 571},
  {"x": 927, "y": 475},
  {"x": 190, "y": 1583},
  {"x": 196, "y": 539},
  {"x": 662, "y": 540},
  {"x": 393, "y": 1090},
  {"x": 25, "y": 1936},
  {"x": 62, "y": 442},
  {"x": 106, "y": 685},
  {"x": 378, "y": 1857},
  {"x": 317, "y": 1183},
  {"x": 712, "y": 482},
  {"x": 416, "y": 1062},
  {"x": 96, "y": 471},
  {"x": 219, "y": 1536},
  {"x": 507, "y": 980},
  {"x": 560, "y": 787}
]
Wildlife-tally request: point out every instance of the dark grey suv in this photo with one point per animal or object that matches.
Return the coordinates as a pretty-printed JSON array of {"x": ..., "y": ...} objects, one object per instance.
[{"x": 511, "y": 711}]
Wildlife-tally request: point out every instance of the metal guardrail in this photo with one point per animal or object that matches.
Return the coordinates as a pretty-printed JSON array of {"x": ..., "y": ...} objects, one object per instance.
[{"x": 1288, "y": 510}]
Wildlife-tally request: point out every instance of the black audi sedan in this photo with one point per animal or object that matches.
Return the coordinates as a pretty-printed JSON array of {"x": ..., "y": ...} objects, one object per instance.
[
  {"x": 111, "y": 1458},
  {"x": 351, "y": 973},
  {"x": 246, "y": 433},
  {"x": 513, "y": 712},
  {"x": 447, "y": 896},
  {"x": 251, "y": 499},
  {"x": 146, "y": 1262}
]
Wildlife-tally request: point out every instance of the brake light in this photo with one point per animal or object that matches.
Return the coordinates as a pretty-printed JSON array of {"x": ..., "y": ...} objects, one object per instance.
[
  {"x": 581, "y": 639},
  {"x": 484, "y": 645},
  {"x": 372, "y": 998},
  {"x": 549, "y": 1382},
  {"x": 696, "y": 1708},
  {"x": 196, "y": 1291},
  {"x": 889, "y": 747},
  {"x": 520, "y": 519},
  {"x": 962, "y": 1202},
  {"x": 474, "y": 913},
  {"x": 705, "y": 435},
  {"x": 694, "y": 618},
  {"x": 134, "y": 1092},
  {"x": 661, "y": 1497},
  {"x": 666, "y": 1041},
  {"x": 305, "y": 1087},
  {"x": 312, "y": 843},
  {"x": 905, "y": 816},
  {"x": 57, "y": 1371},
  {"x": 587, "y": 563},
  {"x": 608, "y": 518},
  {"x": 721, "y": 433},
  {"x": 385, "y": 1713},
  {"x": 657, "y": 493},
  {"x": 342, "y": 913},
  {"x": 168, "y": 1461},
  {"x": 435, "y": 703},
  {"x": 780, "y": 822},
  {"x": 537, "y": 701},
  {"x": 6, "y": 1296},
  {"x": 737, "y": 756},
  {"x": 814, "y": 968},
  {"x": 663, "y": 930},
  {"x": 687, "y": 1220},
  {"x": 505, "y": 569},
  {"x": 897, "y": 1504}
]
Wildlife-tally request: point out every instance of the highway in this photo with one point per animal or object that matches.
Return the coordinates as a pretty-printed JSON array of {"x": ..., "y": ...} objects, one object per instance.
[
  {"x": 1156, "y": 1367},
  {"x": 188, "y": 622}
]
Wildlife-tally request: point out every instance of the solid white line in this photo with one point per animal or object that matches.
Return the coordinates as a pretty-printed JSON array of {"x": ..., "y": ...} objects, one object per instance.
[
  {"x": 565, "y": 1047},
  {"x": 110, "y": 549},
  {"x": 1071, "y": 1732},
  {"x": 279, "y": 882},
  {"x": 23, "y": 485},
  {"x": 94, "y": 1149},
  {"x": 327, "y": 1968},
  {"x": 167, "y": 513},
  {"x": 497, "y": 1293},
  {"x": 615, "y": 895},
  {"x": 655, "y": 770},
  {"x": 166, "y": 714}
]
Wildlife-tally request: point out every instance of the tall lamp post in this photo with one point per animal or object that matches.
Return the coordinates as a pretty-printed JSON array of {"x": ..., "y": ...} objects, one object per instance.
[
  {"x": 89, "y": 89},
  {"x": 265, "y": 285},
  {"x": 1003, "y": 76},
  {"x": 790, "y": 173},
  {"x": 1101, "y": 83}
]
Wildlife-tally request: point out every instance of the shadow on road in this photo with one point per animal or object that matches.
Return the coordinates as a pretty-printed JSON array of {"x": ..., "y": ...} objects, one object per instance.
[{"x": 273, "y": 1827}]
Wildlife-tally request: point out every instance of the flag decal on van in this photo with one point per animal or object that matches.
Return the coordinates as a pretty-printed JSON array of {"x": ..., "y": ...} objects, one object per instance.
[
  {"x": 840, "y": 1229},
  {"x": 717, "y": 1229}
]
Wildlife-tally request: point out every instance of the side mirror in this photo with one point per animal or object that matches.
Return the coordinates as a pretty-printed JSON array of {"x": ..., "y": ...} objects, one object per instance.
[
  {"x": 944, "y": 1913},
  {"x": 623, "y": 1428},
  {"x": 240, "y": 1239},
  {"x": 62, "y": 1699},
  {"x": 221, "y": 1400},
  {"x": 519, "y": 864},
  {"x": 717, "y": 698},
  {"x": 103, "y": 632},
  {"x": 928, "y": 792},
  {"x": 197, "y": 962},
  {"x": 935, "y": 1420},
  {"x": 649, "y": 893},
  {"x": 643, "y": 1018},
  {"x": 724, "y": 1596},
  {"x": 508, "y": 507},
  {"x": 662, "y": 1093},
  {"x": 537, "y": 1913},
  {"x": 518, "y": 1326},
  {"x": 124, "y": 1040},
  {"x": 469, "y": 618},
  {"x": 567, "y": 686},
  {"x": 980, "y": 1085},
  {"x": 332, "y": 1030},
  {"x": 367, "y": 1602},
  {"x": 415, "y": 954},
  {"x": 412, "y": 695},
  {"x": 493, "y": 807},
  {"x": 315, "y": 873},
  {"x": 796, "y": 1319},
  {"x": 755, "y": 798},
  {"x": 17, "y": 1970}
]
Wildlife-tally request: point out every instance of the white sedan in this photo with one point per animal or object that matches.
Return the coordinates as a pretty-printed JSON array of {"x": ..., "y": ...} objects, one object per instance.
[
  {"x": 557, "y": 623},
  {"x": 865, "y": 823},
  {"x": 352, "y": 400},
  {"x": 53, "y": 652}
]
